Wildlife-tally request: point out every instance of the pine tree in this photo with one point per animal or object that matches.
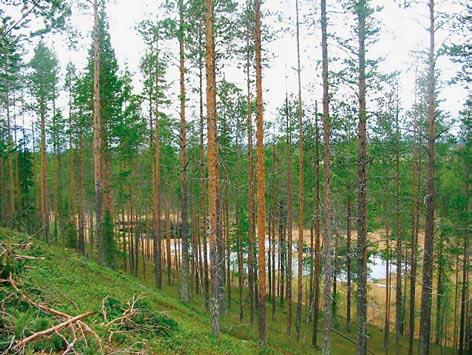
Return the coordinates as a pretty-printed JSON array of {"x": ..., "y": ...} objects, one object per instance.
[{"x": 43, "y": 78}]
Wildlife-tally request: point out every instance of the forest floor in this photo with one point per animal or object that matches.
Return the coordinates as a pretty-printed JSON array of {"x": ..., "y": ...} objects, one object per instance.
[{"x": 157, "y": 323}]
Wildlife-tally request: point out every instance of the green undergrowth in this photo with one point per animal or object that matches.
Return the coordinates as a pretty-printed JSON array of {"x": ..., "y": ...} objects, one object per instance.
[
  {"x": 159, "y": 324},
  {"x": 72, "y": 284}
]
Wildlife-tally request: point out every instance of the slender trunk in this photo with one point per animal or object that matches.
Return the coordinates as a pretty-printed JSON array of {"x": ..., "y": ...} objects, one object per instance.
[
  {"x": 260, "y": 178},
  {"x": 80, "y": 194},
  {"x": 240, "y": 269},
  {"x": 44, "y": 186},
  {"x": 362, "y": 254},
  {"x": 203, "y": 176},
  {"x": 212, "y": 162},
  {"x": 416, "y": 188},
  {"x": 465, "y": 338},
  {"x": 327, "y": 242},
  {"x": 12, "y": 214},
  {"x": 72, "y": 184},
  {"x": 348, "y": 263},
  {"x": 456, "y": 297},
  {"x": 301, "y": 185},
  {"x": 311, "y": 288},
  {"x": 290, "y": 217},
  {"x": 228, "y": 254},
  {"x": 251, "y": 266},
  {"x": 168, "y": 249},
  {"x": 427, "y": 284},
  {"x": 184, "y": 287},
  {"x": 387, "y": 291},
  {"x": 282, "y": 252},
  {"x": 97, "y": 135},
  {"x": 399, "y": 320},
  {"x": 55, "y": 145},
  {"x": 316, "y": 303},
  {"x": 439, "y": 291},
  {"x": 157, "y": 178}
]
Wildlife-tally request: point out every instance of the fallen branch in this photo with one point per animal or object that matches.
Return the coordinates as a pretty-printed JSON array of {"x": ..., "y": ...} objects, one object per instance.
[
  {"x": 347, "y": 338},
  {"x": 20, "y": 344},
  {"x": 28, "y": 257},
  {"x": 47, "y": 309},
  {"x": 128, "y": 313}
]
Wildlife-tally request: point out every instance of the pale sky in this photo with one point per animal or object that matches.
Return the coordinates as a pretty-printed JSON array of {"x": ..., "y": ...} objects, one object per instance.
[{"x": 401, "y": 34}]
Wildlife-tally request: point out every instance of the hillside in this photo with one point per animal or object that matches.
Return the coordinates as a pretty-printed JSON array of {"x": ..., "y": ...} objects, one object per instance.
[{"x": 128, "y": 316}]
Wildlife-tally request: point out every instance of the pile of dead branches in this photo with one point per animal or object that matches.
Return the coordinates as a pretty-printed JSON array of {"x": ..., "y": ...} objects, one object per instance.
[
  {"x": 71, "y": 329},
  {"x": 134, "y": 318}
]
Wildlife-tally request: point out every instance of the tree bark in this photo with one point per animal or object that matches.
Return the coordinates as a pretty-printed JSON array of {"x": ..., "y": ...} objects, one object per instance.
[
  {"x": 184, "y": 287},
  {"x": 250, "y": 167},
  {"x": 203, "y": 177},
  {"x": 348, "y": 263},
  {"x": 212, "y": 162},
  {"x": 301, "y": 185},
  {"x": 97, "y": 135},
  {"x": 327, "y": 242},
  {"x": 44, "y": 185},
  {"x": 387, "y": 290},
  {"x": 427, "y": 284},
  {"x": 290, "y": 217},
  {"x": 399, "y": 312},
  {"x": 157, "y": 179},
  {"x": 362, "y": 254},
  {"x": 260, "y": 179},
  {"x": 316, "y": 303},
  {"x": 416, "y": 189}
]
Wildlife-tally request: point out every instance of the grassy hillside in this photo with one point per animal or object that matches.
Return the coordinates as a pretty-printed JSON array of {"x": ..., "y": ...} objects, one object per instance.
[{"x": 61, "y": 280}]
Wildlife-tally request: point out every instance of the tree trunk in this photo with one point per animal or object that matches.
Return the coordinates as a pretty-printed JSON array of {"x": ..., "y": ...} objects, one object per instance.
[
  {"x": 11, "y": 178},
  {"x": 301, "y": 185},
  {"x": 316, "y": 303},
  {"x": 416, "y": 189},
  {"x": 212, "y": 162},
  {"x": 44, "y": 185},
  {"x": 399, "y": 318},
  {"x": 427, "y": 283},
  {"x": 184, "y": 287},
  {"x": 362, "y": 254},
  {"x": 465, "y": 338},
  {"x": 97, "y": 135},
  {"x": 387, "y": 291},
  {"x": 290, "y": 217},
  {"x": 157, "y": 180},
  {"x": 327, "y": 242},
  {"x": 260, "y": 179},
  {"x": 203, "y": 178},
  {"x": 250, "y": 167},
  {"x": 348, "y": 263},
  {"x": 439, "y": 291}
]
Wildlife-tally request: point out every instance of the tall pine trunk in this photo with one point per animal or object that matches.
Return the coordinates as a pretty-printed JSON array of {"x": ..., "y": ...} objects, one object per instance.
[
  {"x": 362, "y": 254},
  {"x": 250, "y": 168},
  {"x": 157, "y": 179},
  {"x": 316, "y": 301},
  {"x": 427, "y": 283},
  {"x": 260, "y": 179},
  {"x": 290, "y": 217},
  {"x": 399, "y": 318},
  {"x": 97, "y": 135},
  {"x": 327, "y": 242},
  {"x": 212, "y": 163},
  {"x": 348, "y": 263},
  {"x": 416, "y": 189},
  {"x": 301, "y": 185},
  {"x": 184, "y": 286}
]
